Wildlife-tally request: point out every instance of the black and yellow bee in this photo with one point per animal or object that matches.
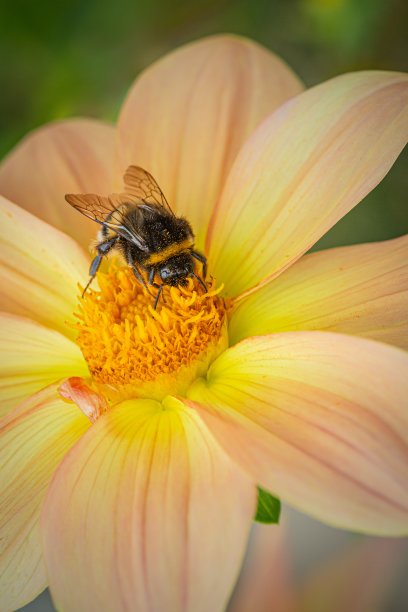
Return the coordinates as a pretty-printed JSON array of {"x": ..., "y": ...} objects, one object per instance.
[{"x": 140, "y": 225}]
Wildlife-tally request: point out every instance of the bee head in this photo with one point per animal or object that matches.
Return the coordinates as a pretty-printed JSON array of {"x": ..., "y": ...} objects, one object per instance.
[{"x": 175, "y": 270}]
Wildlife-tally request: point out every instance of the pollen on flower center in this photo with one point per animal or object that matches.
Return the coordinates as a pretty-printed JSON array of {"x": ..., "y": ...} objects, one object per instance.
[{"x": 124, "y": 340}]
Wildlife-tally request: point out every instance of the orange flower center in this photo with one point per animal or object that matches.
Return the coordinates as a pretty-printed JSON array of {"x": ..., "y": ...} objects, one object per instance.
[{"x": 125, "y": 341}]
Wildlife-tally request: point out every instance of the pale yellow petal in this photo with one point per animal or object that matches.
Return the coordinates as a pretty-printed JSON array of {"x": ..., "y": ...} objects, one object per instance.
[
  {"x": 360, "y": 290},
  {"x": 187, "y": 116},
  {"x": 147, "y": 513},
  {"x": 70, "y": 156},
  {"x": 304, "y": 168},
  {"x": 31, "y": 358},
  {"x": 320, "y": 420},
  {"x": 40, "y": 268},
  {"x": 32, "y": 444}
]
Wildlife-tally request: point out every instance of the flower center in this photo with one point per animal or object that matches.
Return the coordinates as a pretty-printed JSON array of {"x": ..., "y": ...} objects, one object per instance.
[{"x": 125, "y": 341}]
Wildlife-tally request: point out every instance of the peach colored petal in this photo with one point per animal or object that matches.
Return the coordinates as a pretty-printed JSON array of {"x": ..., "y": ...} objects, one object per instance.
[
  {"x": 32, "y": 443},
  {"x": 40, "y": 268},
  {"x": 320, "y": 420},
  {"x": 360, "y": 290},
  {"x": 147, "y": 513},
  {"x": 265, "y": 583},
  {"x": 31, "y": 358},
  {"x": 71, "y": 156},
  {"x": 303, "y": 169},
  {"x": 187, "y": 116},
  {"x": 92, "y": 404}
]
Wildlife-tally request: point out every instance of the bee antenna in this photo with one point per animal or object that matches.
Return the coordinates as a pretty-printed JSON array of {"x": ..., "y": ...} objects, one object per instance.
[{"x": 202, "y": 283}]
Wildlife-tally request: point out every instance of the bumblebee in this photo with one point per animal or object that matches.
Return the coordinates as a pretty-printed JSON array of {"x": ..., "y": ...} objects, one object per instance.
[{"x": 141, "y": 226}]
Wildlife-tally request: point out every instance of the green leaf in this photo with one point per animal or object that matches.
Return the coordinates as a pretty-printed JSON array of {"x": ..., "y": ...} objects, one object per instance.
[{"x": 269, "y": 507}]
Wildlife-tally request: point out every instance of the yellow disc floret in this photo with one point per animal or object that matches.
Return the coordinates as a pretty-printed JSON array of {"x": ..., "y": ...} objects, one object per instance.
[{"x": 127, "y": 343}]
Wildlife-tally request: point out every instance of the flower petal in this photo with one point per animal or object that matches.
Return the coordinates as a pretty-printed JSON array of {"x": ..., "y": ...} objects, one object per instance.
[
  {"x": 32, "y": 443},
  {"x": 71, "y": 156},
  {"x": 304, "y": 168},
  {"x": 319, "y": 419},
  {"x": 40, "y": 268},
  {"x": 187, "y": 116},
  {"x": 147, "y": 513},
  {"x": 360, "y": 290},
  {"x": 265, "y": 583},
  {"x": 31, "y": 358},
  {"x": 76, "y": 389}
]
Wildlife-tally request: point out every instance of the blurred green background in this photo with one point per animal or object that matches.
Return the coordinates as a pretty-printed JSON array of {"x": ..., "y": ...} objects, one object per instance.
[
  {"x": 76, "y": 57},
  {"x": 79, "y": 57}
]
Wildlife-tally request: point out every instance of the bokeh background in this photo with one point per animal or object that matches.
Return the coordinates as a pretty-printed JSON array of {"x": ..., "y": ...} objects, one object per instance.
[{"x": 79, "y": 57}]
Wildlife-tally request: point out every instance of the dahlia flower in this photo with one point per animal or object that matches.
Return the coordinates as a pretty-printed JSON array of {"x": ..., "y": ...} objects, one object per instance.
[{"x": 133, "y": 441}]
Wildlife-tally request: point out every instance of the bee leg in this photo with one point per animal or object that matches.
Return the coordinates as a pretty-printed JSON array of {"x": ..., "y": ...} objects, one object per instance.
[
  {"x": 156, "y": 286},
  {"x": 103, "y": 249},
  {"x": 96, "y": 262},
  {"x": 202, "y": 259},
  {"x": 156, "y": 301},
  {"x": 139, "y": 276},
  {"x": 151, "y": 277},
  {"x": 202, "y": 283}
]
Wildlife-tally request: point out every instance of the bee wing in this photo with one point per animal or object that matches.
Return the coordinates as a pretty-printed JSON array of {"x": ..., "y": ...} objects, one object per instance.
[
  {"x": 106, "y": 211},
  {"x": 140, "y": 184},
  {"x": 93, "y": 206}
]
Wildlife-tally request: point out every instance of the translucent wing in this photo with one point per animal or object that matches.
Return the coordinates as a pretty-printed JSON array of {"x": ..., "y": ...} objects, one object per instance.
[
  {"x": 95, "y": 207},
  {"x": 140, "y": 184},
  {"x": 108, "y": 211}
]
